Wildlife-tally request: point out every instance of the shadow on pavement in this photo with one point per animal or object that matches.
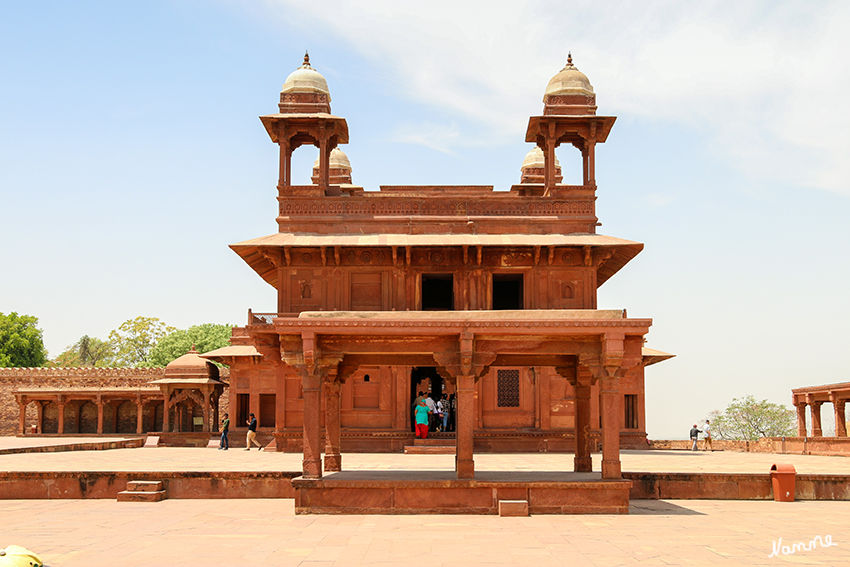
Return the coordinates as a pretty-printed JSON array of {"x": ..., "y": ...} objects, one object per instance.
[{"x": 660, "y": 508}]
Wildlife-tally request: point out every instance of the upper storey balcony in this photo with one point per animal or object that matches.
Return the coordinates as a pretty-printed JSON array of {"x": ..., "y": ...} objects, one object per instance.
[{"x": 348, "y": 209}]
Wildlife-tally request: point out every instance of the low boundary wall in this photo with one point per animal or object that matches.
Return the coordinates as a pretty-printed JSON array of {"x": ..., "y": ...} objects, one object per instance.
[
  {"x": 828, "y": 446},
  {"x": 731, "y": 486},
  {"x": 178, "y": 485},
  {"x": 277, "y": 484}
]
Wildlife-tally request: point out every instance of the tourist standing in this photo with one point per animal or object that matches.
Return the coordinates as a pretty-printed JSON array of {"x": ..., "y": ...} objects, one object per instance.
[
  {"x": 252, "y": 433},
  {"x": 432, "y": 408},
  {"x": 443, "y": 407},
  {"x": 694, "y": 436},
  {"x": 453, "y": 412},
  {"x": 706, "y": 446},
  {"x": 422, "y": 414},
  {"x": 225, "y": 428},
  {"x": 418, "y": 399}
]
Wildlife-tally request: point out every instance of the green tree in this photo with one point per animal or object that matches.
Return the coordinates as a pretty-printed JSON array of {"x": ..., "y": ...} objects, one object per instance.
[
  {"x": 749, "y": 418},
  {"x": 205, "y": 337},
  {"x": 135, "y": 338},
  {"x": 88, "y": 351},
  {"x": 21, "y": 341}
]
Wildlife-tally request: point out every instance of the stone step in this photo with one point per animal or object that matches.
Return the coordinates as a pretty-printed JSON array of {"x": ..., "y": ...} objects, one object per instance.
[
  {"x": 430, "y": 450},
  {"x": 131, "y": 496},
  {"x": 513, "y": 508},
  {"x": 144, "y": 486},
  {"x": 441, "y": 441}
]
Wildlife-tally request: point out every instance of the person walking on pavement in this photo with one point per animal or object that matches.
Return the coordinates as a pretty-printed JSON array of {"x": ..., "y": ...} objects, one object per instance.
[
  {"x": 225, "y": 428},
  {"x": 252, "y": 433},
  {"x": 706, "y": 430},
  {"x": 694, "y": 437}
]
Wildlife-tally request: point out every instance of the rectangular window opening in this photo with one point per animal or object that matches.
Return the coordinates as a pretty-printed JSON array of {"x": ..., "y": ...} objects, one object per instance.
[
  {"x": 507, "y": 291},
  {"x": 631, "y": 411},
  {"x": 438, "y": 292}
]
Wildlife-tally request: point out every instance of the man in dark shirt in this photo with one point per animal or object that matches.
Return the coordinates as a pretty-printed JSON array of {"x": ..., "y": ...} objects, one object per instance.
[
  {"x": 252, "y": 433},
  {"x": 694, "y": 436},
  {"x": 225, "y": 428}
]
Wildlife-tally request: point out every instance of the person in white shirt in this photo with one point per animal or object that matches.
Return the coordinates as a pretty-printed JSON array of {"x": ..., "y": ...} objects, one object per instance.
[
  {"x": 432, "y": 411},
  {"x": 706, "y": 435}
]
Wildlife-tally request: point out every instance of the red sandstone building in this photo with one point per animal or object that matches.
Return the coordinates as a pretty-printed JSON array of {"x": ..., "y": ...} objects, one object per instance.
[{"x": 487, "y": 294}]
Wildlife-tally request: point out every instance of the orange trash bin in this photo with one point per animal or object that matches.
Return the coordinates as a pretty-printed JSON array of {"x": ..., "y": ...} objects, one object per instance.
[{"x": 783, "y": 477}]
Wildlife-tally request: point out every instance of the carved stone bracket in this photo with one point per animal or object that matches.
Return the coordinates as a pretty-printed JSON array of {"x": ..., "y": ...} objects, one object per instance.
[{"x": 465, "y": 361}]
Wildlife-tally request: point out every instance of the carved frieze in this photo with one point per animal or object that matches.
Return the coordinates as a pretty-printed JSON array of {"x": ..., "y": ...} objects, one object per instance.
[{"x": 307, "y": 207}]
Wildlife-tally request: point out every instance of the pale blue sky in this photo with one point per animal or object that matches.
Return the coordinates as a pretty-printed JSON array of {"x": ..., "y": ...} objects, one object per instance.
[{"x": 131, "y": 156}]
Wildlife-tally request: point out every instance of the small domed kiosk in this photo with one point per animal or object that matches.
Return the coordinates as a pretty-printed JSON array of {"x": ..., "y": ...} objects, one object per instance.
[
  {"x": 304, "y": 118},
  {"x": 533, "y": 167},
  {"x": 569, "y": 117},
  {"x": 192, "y": 389}
]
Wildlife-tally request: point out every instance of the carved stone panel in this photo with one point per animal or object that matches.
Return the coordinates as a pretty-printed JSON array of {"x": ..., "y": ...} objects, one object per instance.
[
  {"x": 305, "y": 291},
  {"x": 567, "y": 290},
  {"x": 367, "y": 291}
]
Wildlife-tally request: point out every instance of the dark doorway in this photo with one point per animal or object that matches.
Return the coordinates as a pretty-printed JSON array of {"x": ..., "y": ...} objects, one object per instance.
[
  {"x": 507, "y": 291},
  {"x": 424, "y": 379},
  {"x": 438, "y": 292}
]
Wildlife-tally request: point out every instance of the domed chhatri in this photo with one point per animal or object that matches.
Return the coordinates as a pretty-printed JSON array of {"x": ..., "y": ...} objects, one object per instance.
[
  {"x": 338, "y": 160},
  {"x": 305, "y": 91},
  {"x": 533, "y": 167},
  {"x": 339, "y": 169},
  {"x": 191, "y": 365},
  {"x": 569, "y": 92}
]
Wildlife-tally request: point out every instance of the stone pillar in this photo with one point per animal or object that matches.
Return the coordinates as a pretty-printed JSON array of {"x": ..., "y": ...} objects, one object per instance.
[
  {"x": 312, "y": 391},
  {"x": 166, "y": 410},
  {"x": 817, "y": 429},
  {"x": 22, "y": 415},
  {"x": 60, "y": 404},
  {"x": 549, "y": 167},
  {"x": 333, "y": 457},
  {"x": 99, "y": 404},
  {"x": 466, "y": 412},
  {"x": 840, "y": 418},
  {"x": 802, "y": 430},
  {"x": 610, "y": 411},
  {"x": 583, "y": 462},
  {"x": 39, "y": 410},
  {"x": 140, "y": 416}
]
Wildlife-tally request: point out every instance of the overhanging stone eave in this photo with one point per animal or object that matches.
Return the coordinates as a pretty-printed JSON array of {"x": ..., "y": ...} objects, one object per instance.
[{"x": 544, "y": 323}]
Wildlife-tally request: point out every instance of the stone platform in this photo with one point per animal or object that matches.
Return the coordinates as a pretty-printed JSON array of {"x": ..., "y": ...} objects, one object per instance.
[{"x": 439, "y": 492}]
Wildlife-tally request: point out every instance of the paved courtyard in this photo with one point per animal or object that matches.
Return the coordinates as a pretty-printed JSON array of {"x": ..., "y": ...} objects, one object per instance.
[{"x": 92, "y": 533}]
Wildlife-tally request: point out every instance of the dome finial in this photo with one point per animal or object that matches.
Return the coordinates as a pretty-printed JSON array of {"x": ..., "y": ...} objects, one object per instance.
[
  {"x": 569, "y": 58},
  {"x": 306, "y": 58}
]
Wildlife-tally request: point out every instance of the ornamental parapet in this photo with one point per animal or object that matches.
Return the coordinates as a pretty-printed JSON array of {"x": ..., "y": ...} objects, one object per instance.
[
  {"x": 82, "y": 371},
  {"x": 498, "y": 204}
]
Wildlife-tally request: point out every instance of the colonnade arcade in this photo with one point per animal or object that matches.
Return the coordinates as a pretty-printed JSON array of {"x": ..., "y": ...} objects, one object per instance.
[
  {"x": 814, "y": 397},
  {"x": 584, "y": 346},
  {"x": 102, "y": 411}
]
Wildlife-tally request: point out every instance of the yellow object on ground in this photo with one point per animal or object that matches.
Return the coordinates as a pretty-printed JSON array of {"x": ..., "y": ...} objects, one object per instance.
[{"x": 17, "y": 556}]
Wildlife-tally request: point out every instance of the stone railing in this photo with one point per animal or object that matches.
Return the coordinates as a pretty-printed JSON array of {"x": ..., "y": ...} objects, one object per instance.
[{"x": 266, "y": 318}]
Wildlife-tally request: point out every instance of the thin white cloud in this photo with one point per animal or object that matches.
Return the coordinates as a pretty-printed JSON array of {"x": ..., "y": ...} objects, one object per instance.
[
  {"x": 765, "y": 80},
  {"x": 438, "y": 137}
]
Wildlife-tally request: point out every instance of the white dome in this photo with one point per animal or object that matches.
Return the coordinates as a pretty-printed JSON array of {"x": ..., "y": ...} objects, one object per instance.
[
  {"x": 338, "y": 160},
  {"x": 535, "y": 158},
  {"x": 568, "y": 81},
  {"x": 305, "y": 79}
]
